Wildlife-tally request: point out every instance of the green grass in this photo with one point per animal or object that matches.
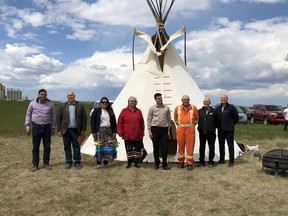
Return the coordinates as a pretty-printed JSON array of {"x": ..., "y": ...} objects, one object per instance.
[
  {"x": 258, "y": 131},
  {"x": 12, "y": 117}
]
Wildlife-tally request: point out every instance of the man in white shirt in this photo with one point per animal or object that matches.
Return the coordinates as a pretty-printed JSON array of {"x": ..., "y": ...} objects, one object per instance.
[{"x": 158, "y": 124}]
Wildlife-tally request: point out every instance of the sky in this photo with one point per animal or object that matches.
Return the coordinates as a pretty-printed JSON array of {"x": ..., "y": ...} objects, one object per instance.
[{"x": 237, "y": 47}]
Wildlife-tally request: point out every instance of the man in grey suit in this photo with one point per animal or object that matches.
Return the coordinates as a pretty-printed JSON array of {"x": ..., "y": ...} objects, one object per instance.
[{"x": 71, "y": 124}]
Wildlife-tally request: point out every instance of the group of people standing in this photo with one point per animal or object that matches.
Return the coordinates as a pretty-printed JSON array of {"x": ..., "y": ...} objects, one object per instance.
[
  {"x": 186, "y": 117},
  {"x": 71, "y": 122}
]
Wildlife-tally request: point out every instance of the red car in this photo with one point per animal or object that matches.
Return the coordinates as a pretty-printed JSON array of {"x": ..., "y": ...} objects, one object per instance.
[{"x": 267, "y": 113}]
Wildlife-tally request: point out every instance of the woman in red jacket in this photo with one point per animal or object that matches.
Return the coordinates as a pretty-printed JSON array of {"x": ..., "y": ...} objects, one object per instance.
[{"x": 131, "y": 128}]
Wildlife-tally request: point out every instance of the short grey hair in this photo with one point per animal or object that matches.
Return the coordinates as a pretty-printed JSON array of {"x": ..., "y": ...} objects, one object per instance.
[{"x": 132, "y": 97}]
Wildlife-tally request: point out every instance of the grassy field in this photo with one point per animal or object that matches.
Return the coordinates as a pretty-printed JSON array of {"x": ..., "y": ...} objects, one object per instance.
[
  {"x": 12, "y": 117},
  {"x": 241, "y": 190}
]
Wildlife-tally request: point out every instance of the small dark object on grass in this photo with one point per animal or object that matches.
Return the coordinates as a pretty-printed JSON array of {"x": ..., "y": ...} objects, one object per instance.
[{"x": 258, "y": 154}]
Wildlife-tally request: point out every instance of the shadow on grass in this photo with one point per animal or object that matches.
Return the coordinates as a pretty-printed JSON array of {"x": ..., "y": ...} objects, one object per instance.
[{"x": 281, "y": 173}]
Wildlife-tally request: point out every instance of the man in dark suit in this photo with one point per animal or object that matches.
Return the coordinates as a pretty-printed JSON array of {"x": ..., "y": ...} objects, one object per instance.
[
  {"x": 207, "y": 131},
  {"x": 227, "y": 119},
  {"x": 71, "y": 124}
]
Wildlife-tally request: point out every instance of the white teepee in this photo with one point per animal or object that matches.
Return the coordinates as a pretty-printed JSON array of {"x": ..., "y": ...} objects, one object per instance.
[{"x": 160, "y": 70}]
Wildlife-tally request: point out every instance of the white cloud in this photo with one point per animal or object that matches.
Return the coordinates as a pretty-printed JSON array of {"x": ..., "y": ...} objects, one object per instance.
[
  {"x": 240, "y": 58},
  {"x": 79, "y": 15},
  {"x": 35, "y": 19},
  {"x": 17, "y": 24},
  {"x": 56, "y": 53},
  {"x": 82, "y": 35},
  {"x": 114, "y": 70},
  {"x": 52, "y": 31},
  {"x": 22, "y": 61}
]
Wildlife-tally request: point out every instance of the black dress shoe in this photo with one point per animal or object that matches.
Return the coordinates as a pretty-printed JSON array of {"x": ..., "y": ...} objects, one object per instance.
[
  {"x": 34, "y": 168},
  {"x": 128, "y": 166},
  {"x": 156, "y": 167},
  {"x": 221, "y": 162},
  {"x": 166, "y": 168},
  {"x": 78, "y": 166},
  {"x": 47, "y": 167},
  {"x": 189, "y": 167},
  {"x": 211, "y": 165},
  {"x": 201, "y": 164},
  {"x": 231, "y": 164},
  {"x": 181, "y": 165}
]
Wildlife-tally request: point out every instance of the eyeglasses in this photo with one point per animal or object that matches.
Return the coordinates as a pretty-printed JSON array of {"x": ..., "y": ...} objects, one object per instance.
[{"x": 104, "y": 102}]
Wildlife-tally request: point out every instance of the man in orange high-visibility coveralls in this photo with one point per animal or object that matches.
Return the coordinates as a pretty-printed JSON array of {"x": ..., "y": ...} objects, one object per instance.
[{"x": 186, "y": 117}]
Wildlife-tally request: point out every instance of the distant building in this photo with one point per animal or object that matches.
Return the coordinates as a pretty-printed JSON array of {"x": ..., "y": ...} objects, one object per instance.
[
  {"x": 2, "y": 92},
  {"x": 25, "y": 98},
  {"x": 13, "y": 94}
]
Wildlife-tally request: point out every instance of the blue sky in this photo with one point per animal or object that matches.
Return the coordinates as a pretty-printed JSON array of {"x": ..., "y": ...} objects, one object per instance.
[{"x": 238, "y": 47}]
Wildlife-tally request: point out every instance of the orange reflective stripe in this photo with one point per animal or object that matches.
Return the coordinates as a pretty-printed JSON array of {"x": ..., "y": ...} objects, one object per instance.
[{"x": 190, "y": 117}]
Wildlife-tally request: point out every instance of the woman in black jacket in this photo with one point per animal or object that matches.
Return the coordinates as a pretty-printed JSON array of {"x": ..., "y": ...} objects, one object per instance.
[{"x": 103, "y": 129}]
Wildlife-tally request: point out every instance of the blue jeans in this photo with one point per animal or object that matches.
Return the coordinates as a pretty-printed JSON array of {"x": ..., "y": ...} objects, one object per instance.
[
  {"x": 41, "y": 132},
  {"x": 69, "y": 137}
]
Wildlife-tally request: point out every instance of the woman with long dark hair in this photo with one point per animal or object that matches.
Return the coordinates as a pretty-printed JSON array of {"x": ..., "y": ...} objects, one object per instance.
[{"x": 103, "y": 129}]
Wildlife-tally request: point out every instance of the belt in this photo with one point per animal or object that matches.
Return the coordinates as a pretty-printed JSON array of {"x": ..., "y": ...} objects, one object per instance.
[{"x": 41, "y": 125}]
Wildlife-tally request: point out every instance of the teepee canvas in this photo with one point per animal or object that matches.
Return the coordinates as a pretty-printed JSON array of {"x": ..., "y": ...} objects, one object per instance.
[{"x": 160, "y": 70}]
